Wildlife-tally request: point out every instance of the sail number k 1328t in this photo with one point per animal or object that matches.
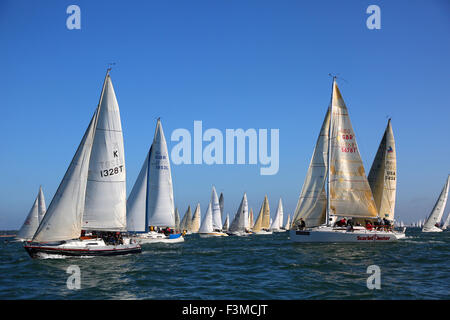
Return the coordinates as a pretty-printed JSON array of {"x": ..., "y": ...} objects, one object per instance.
[{"x": 111, "y": 172}]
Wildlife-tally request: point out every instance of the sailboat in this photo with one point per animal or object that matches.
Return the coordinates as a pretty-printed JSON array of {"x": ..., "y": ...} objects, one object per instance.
[
  {"x": 447, "y": 222},
  {"x": 196, "y": 219},
  {"x": 221, "y": 206},
  {"x": 250, "y": 218},
  {"x": 150, "y": 214},
  {"x": 212, "y": 222},
  {"x": 226, "y": 224},
  {"x": 186, "y": 223},
  {"x": 434, "y": 219},
  {"x": 262, "y": 223},
  {"x": 383, "y": 180},
  {"x": 277, "y": 224},
  {"x": 177, "y": 219},
  {"x": 88, "y": 211},
  {"x": 336, "y": 186},
  {"x": 287, "y": 226},
  {"x": 34, "y": 217},
  {"x": 240, "y": 226}
]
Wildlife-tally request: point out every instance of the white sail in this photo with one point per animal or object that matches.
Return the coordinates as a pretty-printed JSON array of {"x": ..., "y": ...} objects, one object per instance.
[
  {"x": 32, "y": 220},
  {"x": 137, "y": 201},
  {"x": 226, "y": 224},
  {"x": 105, "y": 206},
  {"x": 311, "y": 206},
  {"x": 438, "y": 209},
  {"x": 287, "y": 226},
  {"x": 447, "y": 222},
  {"x": 160, "y": 204},
  {"x": 382, "y": 176},
  {"x": 64, "y": 215},
  {"x": 207, "y": 223},
  {"x": 240, "y": 221},
  {"x": 41, "y": 205},
  {"x": 216, "y": 214},
  {"x": 250, "y": 218},
  {"x": 277, "y": 223},
  {"x": 196, "y": 219}
]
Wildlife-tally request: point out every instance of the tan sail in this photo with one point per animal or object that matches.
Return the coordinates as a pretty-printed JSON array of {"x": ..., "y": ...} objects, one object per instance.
[
  {"x": 196, "y": 219},
  {"x": 349, "y": 191},
  {"x": 186, "y": 223},
  {"x": 250, "y": 218},
  {"x": 263, "y": 220},
  {"x": 383, "y": 175},
  {"x": 311, "y": 206}
]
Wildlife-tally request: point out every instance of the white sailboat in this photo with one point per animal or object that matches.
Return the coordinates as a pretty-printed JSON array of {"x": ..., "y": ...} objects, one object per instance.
[
  {"x": 435, "y": 217},
  {"x": 150, "y": 214},
  {"x": 262, "y": 223},
  {"x": 207, "y": 229},
  {"x": 226, "y": 224},
  {"x": 447, "y": 222},
  {"x": 287, "y": 226},
  {"x": 277, "y": 223},
  {"x": 336, "y": 186},
  {"x": 34, "y": 217},
  {"x": 240, "y": 226},
  {"x": 196, "y": 219},
  {"x": 92, "y": 195}
]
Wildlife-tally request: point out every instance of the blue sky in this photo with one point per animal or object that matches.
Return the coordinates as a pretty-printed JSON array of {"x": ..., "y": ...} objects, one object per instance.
[{"x": 231, "y": 64}]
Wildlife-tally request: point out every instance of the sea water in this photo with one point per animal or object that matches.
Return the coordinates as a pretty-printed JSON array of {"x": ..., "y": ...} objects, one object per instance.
[{"x": 257, "y": 267}]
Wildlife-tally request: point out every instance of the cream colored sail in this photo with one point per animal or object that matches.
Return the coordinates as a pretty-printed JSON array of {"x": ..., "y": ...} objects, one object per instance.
[
  {"x": 349, "y": 191},
  {"x": 105, "y": 206},
  {"x": 196, "y": 219},
  {"x": 383, "y": 175},
  {"x": 311, "y": 206},
  {"x": 263, "y": 220},
  {"x": 177, "y": 219},
  {"x": 250, "y": 218},
  {"x": 186, "y": 223}
]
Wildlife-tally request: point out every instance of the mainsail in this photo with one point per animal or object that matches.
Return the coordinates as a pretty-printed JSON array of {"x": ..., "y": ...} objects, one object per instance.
[
  {"x": 240, "y": 221},
  {"x": 207, "y": 223},
  {"x": 226, "y": 224},
  {"x": 382, "y": 175},
  {"x": 33, "y": 218},
  {"x": 105, "y": 205},
  {"x": 137, "y": 201},
  {"x": 287, "y": 226},
  {"x": 250, "y": 218},
  {"x": 221, "y": 206},
  {"x": 277, "y": 223},
  {"x": 263, "y": 220},
  {"x": 196, "y": 219},
  {"x": 186, "y": 223},
  {"x": 216, "y": 214},
  {"x": 348, "y": 191},
  {"x": 438, "y": 209},
  {"x": 177, "y": 219}
]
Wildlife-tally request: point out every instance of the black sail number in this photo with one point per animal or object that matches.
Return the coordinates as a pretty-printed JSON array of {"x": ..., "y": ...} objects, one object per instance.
[{"x": 111, "y": 172}]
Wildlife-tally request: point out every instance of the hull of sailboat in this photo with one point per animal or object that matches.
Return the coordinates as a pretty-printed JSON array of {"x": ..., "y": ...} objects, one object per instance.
[
  {"x": 240, "y": 233},
  {"x": 328, "y": 234},
  {"x": 262, "y": 232},
  {"x": 278, "y": 230},
  {"x": 432, "y": 229},
  {"x": 212, "y": 234},
  {"x": 153, "y": 237},
  {"x": 80, "y": 248}
]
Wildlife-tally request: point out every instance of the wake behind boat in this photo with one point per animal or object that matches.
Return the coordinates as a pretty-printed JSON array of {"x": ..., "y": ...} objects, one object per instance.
[
  {"x": 336, "y": 199},
  {"x": 92, "y": 194},
  {"x": 151, "y": 210}
]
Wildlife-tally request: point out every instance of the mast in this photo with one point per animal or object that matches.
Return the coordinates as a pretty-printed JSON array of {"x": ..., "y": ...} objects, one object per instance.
[{"x": 327, "y": 215}]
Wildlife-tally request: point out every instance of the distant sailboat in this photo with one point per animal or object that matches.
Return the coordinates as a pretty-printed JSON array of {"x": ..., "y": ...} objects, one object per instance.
[
  {"x": 262, "y": 223},
  {"x": 447, "y": 222},
  {"x": 277, "y": 224},
  {"x": 186, "y": 223},
  {"x": 177, "y": 219},
  {"x": 336, "y": 185},
  {"x": 207, "y": 228},
  {"x": 240, "y": 226},
  {"x": 216, "y": 212},
  {"x": 435, "y": 217},
  {"x": 151, "y": 212},
  {"x": 92, "y": 194},
  {"x": 221, "y": 205},
  {"x": 196, "y": 219},
  {"x": 33, "y": 218},
  {"x": 250, "y": 218},
  {"x": 226, "y": 224},
  {"x": 287, "y": 226}
]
